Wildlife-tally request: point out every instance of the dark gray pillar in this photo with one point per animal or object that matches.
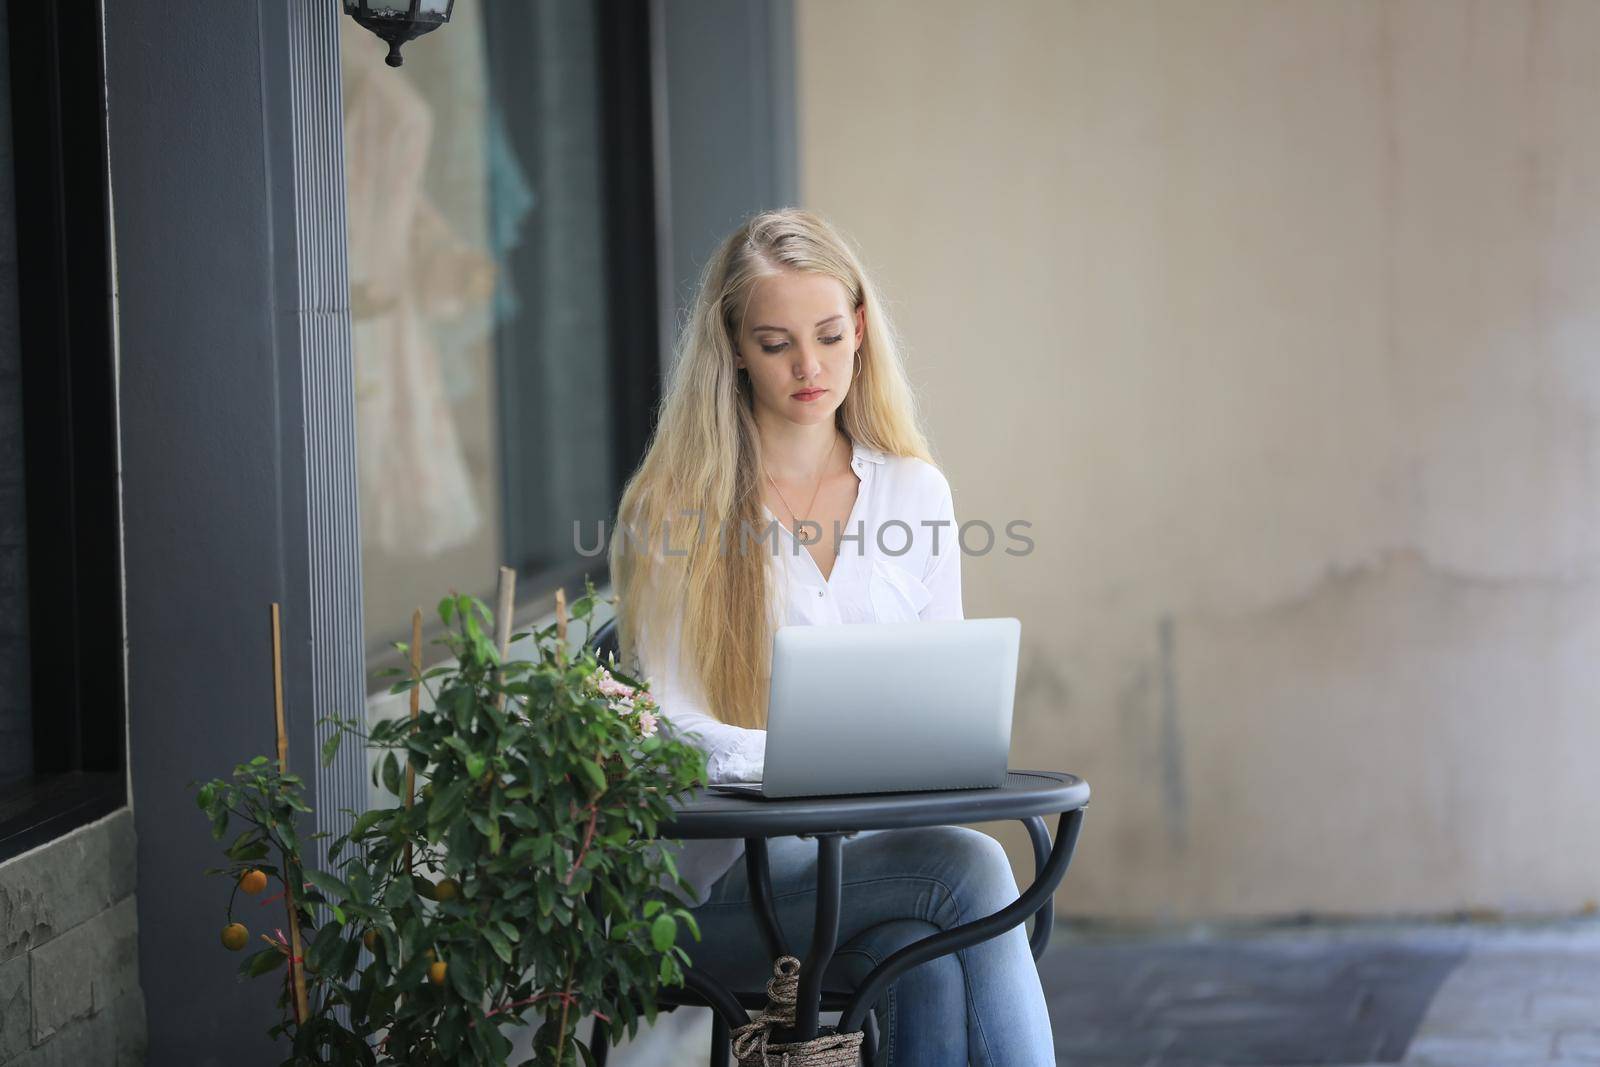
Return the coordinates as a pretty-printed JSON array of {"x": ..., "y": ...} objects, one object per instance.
[{"x": 238, "y": 451}]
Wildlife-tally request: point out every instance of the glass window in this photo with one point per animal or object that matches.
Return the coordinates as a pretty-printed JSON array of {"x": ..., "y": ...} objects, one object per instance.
[
  {"x": 16, "y": 712},
  {"x": 502, "y": 281},
  {"x": 62, "y": 706}
]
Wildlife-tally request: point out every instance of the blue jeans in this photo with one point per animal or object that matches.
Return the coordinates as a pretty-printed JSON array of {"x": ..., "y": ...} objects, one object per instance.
[{"x": 982, "y": 1005}]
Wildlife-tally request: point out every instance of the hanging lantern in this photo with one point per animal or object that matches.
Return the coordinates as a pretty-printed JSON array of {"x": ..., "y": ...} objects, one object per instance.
[{"x": 399, "y": 21}]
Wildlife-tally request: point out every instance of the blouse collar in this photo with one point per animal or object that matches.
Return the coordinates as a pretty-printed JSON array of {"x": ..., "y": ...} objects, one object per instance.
[{"x": 861, "y": 456}]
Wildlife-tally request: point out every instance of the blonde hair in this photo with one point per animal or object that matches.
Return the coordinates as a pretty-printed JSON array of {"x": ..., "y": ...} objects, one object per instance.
[{"x": 704, "y": 457}]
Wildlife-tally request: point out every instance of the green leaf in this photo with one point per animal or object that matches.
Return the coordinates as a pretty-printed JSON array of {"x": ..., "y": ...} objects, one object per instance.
[
  {"x": 255, "y": 851},
  {"x": 466, "y": 980},
  {"x": 242, "y": 843},
  {"x": 325, "y": 948},
  {"x": 333, "y": 887},
  {"x": 446, "y": 803},
  {"x": 449, "y": 1032},
  {"x": 360, "y": 882},
  {"x": 259, "y": 963},
  {"x": 391, "y": 774},
  {"x": 498, "y": 942},
  {"x": 330, "y": 747},
  {"x": 367, "y": 820},
  {"x": 592, "y": 771},
  {"x": 663, "y": 932}
]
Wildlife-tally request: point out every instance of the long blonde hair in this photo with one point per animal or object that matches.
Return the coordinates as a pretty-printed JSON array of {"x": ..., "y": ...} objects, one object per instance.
[{"x": 704, "y": 457}]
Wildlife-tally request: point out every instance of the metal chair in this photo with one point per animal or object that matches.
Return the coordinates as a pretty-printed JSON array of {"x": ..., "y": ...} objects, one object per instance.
[{"x": 605, "y": 643}]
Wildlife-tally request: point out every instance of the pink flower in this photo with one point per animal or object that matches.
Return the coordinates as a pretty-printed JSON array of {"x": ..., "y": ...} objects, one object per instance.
[
  {"x": 609, "y": 686},
  {"x": 647, "y": 724}
]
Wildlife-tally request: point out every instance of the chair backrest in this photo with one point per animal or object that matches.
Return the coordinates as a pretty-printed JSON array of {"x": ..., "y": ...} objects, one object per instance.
[{"x": 606, "y": 640}]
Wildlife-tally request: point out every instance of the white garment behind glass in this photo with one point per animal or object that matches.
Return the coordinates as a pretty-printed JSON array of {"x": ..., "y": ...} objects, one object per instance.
[
  {"x": 406, "y": 265},
  {"x": 897, "y": 495}
]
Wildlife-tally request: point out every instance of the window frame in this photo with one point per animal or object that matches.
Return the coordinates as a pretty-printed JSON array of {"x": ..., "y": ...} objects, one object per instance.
[{"x": 66, "y": 330}]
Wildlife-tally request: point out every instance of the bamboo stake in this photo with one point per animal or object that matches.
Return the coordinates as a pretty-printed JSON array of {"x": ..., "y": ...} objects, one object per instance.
[
  {"x": 296, "y": 954},
  {"x": 561, "y": 619},
  {"x": 505, "y": 603},
  {"x": 416, "y": 712}
]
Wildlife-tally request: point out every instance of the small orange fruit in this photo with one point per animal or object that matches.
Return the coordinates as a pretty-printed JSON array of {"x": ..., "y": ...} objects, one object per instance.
[
  {"x": 447, "y": 889},
  {"x": 370, "y": 939},
  {"x": 235, "y": 936},
  {"x": 427, "y": 953},
  {"x": 253, "y": 881},
  {"x": 436, "y": 972}
]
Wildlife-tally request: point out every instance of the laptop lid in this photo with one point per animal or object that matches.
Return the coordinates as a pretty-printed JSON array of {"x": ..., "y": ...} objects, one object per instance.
[{"x": 887, "y": 707}]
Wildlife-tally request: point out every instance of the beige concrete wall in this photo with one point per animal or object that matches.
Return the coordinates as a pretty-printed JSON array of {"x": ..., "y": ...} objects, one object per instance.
[{"x": 1279, "y": 322}]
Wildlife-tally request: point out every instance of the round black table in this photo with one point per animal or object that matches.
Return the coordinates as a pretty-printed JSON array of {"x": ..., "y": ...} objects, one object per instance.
[{"x": 1027, "y": 796}]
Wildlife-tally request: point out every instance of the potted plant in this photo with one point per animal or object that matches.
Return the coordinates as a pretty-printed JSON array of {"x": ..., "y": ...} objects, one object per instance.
[{"x": 522, "y": 878}]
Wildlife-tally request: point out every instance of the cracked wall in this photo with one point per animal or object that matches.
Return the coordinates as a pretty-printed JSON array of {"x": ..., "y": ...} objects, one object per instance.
[{"x": 1278, "y": 322}]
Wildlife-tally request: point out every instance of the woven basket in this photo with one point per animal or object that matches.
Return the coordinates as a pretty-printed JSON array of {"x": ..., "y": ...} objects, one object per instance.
[{"x": 753, "y": 1045}]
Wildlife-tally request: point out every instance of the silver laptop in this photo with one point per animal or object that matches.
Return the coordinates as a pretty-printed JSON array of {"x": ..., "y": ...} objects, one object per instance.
[{"x": 888, "y": 707}]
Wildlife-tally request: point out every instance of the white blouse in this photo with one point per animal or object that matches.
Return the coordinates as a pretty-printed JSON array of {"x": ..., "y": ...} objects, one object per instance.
[{"x": 899, "y": 561}]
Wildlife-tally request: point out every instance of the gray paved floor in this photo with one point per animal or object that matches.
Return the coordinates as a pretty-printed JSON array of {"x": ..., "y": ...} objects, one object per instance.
[
  {"x": 1518, "y": 1000},
  {"x": 1446, "y": 995},
  {"x": 1177, "y": 1004}
]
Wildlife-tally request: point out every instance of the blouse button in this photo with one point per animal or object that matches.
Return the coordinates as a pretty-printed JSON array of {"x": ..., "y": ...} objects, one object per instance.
[{"x": 819, "y": 592}]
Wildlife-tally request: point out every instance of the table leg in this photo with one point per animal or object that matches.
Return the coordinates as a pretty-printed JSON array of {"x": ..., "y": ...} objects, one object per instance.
[
  {"x": 720, "y": 1048},
  {"x": 959, "y": 937},
  {"x": 824, "y": 937},
  {"x": 758, "y": 873},
  {"x": 1044, "y": 920}
]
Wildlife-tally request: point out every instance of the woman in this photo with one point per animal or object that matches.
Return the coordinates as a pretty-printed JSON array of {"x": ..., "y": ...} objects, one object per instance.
[{"x": 786, "y": 472}]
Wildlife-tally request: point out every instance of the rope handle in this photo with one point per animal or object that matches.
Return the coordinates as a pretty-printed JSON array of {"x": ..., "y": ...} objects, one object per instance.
[{"x": 752, "y": 1043}]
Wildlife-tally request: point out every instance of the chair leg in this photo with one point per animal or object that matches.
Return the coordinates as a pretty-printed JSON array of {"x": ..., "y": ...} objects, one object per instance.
[
  {"x": 599, "y": 1043},
  {"x": 721, "y": 1047},
  {"x": 869, "y": 1039}
]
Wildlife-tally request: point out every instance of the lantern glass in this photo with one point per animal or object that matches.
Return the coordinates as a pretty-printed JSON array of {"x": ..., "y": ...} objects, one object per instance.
[{"x": 436, "y": 7}]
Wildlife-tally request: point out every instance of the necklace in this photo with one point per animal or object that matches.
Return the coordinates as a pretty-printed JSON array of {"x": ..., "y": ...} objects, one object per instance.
[{"x": 792, "y": 516}]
